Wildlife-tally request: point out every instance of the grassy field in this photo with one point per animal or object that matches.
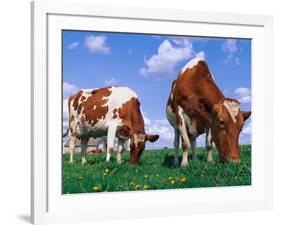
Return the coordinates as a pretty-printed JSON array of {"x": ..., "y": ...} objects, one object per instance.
[{"x": 155, "y": 171}]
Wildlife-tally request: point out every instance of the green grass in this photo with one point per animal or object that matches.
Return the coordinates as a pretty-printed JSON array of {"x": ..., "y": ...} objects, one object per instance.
[{"x": 155, "y": 171}]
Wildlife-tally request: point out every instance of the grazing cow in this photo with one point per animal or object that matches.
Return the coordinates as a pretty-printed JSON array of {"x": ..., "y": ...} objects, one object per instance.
[
  {"x": 196, "y": 106},
  {"x": 112, "y": 112}
]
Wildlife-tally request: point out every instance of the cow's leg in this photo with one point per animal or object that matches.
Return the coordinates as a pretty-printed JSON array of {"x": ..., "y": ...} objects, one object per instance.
[
  {"x": 72, "y": 148},
  {"x": 193, "y": 147},
  {"x": 209, "y": 145},
  {"x": 176, "y": 146},
  {"x": 110, "y": 141},
  {"x": 120, "y": 150},
  {"x": 84, "y": 142},
  {"x": 184, "y": 135}
]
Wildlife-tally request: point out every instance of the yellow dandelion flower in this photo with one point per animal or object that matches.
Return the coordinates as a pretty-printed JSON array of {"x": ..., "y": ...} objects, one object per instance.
[
  {"x": 96, "y": 188},
  {"x": 183, "y": 179},
  {"x": 106, "y": 170},
  {"x": 105, "y": 190},
  {"x": 145, "y": 187},
  {"x": 137, "y": 186},
  {"x": 172, "y": 181},
  {"x": 170, "y": 178},
  {"x": 145, "y": 176}
]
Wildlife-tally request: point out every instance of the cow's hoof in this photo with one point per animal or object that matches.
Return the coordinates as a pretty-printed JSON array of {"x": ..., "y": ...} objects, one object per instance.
[
  {"x": 120, "y": 161},
  {"x": 84, "y": 162},
  {"x": 184, "y": 164}
]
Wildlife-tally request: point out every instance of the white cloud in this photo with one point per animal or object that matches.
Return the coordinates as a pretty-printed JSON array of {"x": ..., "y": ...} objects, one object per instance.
[
  {"x": 112, "y": 81},
  {"x": 245, "y": 99},
  {"x": 73, "y": 45},
  {"x": 97, "y": 44},
  {"x": 241, "y": 91},
  {"x": 162, "y": 128},
  {"x": 168, "y": 55},
  {"x": 147, "y": 121},
  {"x": 230, "y": 46},
  {"x": 237, "y": 60},
  {"x": 201, "y": 54},
  {"x": 243, "y": 94},
  {"x": 65, "y": 109},
  {"x": 166, "y": 132},
  {"x": 65, "y": 125},
  {"x": 248, "y": 128},
  {"x": 69, "y": 89}
]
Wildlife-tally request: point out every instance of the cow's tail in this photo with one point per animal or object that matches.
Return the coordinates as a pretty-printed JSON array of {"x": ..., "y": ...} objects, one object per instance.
[{"x": 66, "y": 133}]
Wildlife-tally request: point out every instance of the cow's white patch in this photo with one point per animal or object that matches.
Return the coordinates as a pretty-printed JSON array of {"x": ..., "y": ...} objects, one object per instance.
[
  {"x": 209, "y": 145},
  {"x": 119, "y": 96},
  {"x": 184, "y": 134},
  {"x": 171, "y": 116},
  {"x": 233, "y": 108},
  {"x": 191, "y": 130},
  {"x": 184, "y": 161},
  {"x": 173, "y": 87},
  {"x": 139, "y": 138},
  {"x": 192, "y": 63},
  {"x": 212, "y": 76},
  {"x": 120, "y": 150},
  {"x": 88, "y": 91}
]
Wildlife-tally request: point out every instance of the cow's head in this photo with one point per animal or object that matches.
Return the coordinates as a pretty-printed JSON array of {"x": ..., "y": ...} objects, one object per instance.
[
  {"x": 137, "y": 145},
  {"x": 226, "y": 124}
]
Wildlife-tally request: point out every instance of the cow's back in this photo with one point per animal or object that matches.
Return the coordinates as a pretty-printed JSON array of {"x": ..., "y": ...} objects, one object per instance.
[
  {"x": 196, "y": 81},
  {"x": 193, "y": 85},
  {"x": 91, "y": 111}
]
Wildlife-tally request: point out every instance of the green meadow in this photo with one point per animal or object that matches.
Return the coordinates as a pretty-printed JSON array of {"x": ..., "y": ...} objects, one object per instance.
[{"x": 155, "y": 171}]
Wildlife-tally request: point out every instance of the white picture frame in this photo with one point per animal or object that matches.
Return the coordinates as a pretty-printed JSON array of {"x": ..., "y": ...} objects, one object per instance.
[{"x": 48, "y": 205}]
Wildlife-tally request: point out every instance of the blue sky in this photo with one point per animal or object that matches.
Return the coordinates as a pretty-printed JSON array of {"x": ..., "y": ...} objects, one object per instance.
[{"x": 148, "y": 64}]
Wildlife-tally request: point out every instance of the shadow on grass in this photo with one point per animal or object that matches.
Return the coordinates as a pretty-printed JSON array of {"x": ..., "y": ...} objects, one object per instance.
[
  {"x": 169, "y": 160},
  {"x": 96, "y": 160}
]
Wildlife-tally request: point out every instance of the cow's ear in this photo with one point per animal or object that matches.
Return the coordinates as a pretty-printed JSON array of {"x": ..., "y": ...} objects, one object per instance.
[
  {"x": 206, "y": 105},
  {"x": 151, "y": 138},
  {"x": 246, "y": 115}
]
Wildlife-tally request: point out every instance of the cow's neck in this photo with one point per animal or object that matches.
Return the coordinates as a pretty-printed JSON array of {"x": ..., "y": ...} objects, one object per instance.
[
  {"x": 136, "y": 126},
  {"x": 132, "y": 116},
  {"x": 211, "y": 92}
]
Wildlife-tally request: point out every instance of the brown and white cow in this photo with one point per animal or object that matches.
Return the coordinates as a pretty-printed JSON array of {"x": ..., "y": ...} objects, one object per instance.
[
  {"x": 196, "y": 106},
  {"x": 112, "y": 112}
]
